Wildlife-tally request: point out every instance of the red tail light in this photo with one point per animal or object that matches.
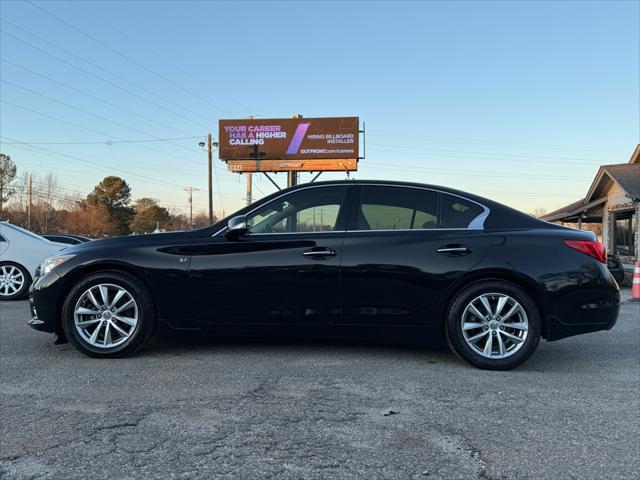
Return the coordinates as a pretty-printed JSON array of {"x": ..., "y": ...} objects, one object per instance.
[{"x": 593, "y": 249}]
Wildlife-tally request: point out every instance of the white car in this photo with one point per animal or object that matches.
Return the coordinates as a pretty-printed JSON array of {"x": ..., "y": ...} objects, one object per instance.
[{"x": 21, "y": 253}]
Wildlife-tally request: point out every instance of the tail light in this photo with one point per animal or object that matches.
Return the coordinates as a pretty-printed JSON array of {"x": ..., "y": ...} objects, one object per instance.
[{"x": 593, "y": 249}]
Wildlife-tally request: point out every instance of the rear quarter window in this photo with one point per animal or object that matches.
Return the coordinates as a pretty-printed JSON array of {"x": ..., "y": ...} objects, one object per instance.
[{"x": 456, "y": 212}]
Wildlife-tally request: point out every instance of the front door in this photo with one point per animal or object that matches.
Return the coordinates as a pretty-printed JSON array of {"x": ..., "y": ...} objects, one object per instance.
[
  {"x": 403, "y": 247},
  {"x": 285, "y": 270}
]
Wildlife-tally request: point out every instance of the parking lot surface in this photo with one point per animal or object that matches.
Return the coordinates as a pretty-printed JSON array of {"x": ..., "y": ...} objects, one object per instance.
[{"x": 293, "y": 410}]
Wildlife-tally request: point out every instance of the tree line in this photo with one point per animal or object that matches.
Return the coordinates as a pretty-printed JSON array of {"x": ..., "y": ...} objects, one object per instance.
[{"x": 107, "y": 211}]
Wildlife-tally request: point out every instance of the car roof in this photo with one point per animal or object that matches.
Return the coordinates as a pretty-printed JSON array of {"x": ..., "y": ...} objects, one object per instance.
[
  {"x": 501, "y": 216},
  {"x": 397, "y": 183}
]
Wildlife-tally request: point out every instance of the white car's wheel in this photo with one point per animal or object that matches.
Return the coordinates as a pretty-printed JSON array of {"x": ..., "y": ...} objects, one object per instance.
[{"x": 14, "y": 281}]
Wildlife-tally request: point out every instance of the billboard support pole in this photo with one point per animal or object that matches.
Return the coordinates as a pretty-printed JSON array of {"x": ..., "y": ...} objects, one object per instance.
[
  {"x": 249, "y": 188},
  {"x": 314, "y": 178},
  {"x": 292, "y": 178},
  {"x": 272, "y": 181}
]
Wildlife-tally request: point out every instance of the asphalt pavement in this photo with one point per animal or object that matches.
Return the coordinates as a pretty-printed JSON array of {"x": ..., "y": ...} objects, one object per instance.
[{"x": 300, "y": 410}]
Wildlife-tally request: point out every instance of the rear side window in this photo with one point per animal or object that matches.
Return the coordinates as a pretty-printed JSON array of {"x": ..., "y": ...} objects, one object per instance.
[
  {"x": 456, "y": 212},
  {"x": 396, "y": 208},
  {"x": 2, "y": 239}
]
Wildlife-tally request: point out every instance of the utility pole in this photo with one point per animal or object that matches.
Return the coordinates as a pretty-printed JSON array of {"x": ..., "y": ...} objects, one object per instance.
[
  {"x": 29, "y": 202},
  {"x": 190, "y": 190},
  {"x": 210, "y": 155}
]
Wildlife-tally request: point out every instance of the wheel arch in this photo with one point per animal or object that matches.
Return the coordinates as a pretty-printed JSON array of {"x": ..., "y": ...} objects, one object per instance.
[
  {"x": 528, "y": 284},
  {"x": 72, "y": 277}
]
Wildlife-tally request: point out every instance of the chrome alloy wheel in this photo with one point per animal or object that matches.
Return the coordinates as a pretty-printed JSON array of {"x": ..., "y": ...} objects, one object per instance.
[
  {"x": 105, "y": 315},
  {"x": 494, "y": 325},
  {"x": 11, "y": 280}
]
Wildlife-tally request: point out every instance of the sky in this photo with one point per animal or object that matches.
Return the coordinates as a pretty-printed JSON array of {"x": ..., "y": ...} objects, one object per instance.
[{"x": 516, "y": 101}]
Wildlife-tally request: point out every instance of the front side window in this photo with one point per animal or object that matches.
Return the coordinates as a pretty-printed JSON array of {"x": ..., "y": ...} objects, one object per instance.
[
  {"x": 310, "y": 210},
  {"x": 624, "y": 226},
  {"x": 396, "y": 208}
]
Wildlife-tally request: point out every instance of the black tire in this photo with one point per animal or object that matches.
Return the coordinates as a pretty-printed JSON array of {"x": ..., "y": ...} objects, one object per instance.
[
  {"x": 456, "y": 338},
  {"x": 24, "y": 289},
  {"x": 141, "y": 332}
]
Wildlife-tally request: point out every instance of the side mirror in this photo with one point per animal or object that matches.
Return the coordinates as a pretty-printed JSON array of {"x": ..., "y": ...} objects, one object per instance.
[{"x": 236, "y": 227}]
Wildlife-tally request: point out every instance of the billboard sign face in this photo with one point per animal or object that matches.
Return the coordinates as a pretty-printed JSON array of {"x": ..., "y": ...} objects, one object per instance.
[{"x": 289, "y": 139}]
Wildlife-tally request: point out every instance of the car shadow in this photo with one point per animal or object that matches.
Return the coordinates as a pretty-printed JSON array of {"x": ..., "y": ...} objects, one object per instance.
[{"x": 429, "y": 350}]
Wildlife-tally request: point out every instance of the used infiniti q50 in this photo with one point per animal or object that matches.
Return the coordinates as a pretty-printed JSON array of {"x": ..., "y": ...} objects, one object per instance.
[{"x": 369, "y": 256}]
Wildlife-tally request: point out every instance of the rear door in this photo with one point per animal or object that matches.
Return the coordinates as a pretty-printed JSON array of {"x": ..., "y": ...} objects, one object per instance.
[{"x": 404, "y": 246}]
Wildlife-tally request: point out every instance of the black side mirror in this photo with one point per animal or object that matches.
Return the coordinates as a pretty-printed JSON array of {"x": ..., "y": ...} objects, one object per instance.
[{"x": 236, "y": 227}]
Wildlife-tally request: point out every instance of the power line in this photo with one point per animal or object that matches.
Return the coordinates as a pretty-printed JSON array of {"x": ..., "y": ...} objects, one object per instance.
[
  {"x": 110, "y": 142},
  {"x": 82, "y": 160},
  {"x": 26, "y": 146},
  {"x": 467, "y": 140},
  {"x": 474, "y": 173},
  {"x": 126, "y": 57},
  {"x": 535, "y": 157},
  {"x": 99, "y": 67},
  {"x": 105, "y": 119},
  {"x": 132, "y": 112},
  {"x": 33, "y": 149},
  {"x": 87, "y": 128},
  {"x": 86, "y": 72}
]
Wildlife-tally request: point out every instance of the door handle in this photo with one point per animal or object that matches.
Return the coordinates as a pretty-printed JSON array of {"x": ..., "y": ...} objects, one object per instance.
[
  {"x": 325, "y": 252},
  {"x": 454, "y": 250}
]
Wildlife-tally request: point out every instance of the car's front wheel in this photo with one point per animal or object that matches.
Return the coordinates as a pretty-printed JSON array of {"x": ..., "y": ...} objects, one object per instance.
[
  {"x": 493, "y": 325},
  {"x": 14, "y": 281},
  {"x": 108, "y": 314}
]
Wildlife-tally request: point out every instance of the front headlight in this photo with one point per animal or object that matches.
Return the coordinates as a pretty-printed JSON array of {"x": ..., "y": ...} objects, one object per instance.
[{"x": 52, "y": 262}]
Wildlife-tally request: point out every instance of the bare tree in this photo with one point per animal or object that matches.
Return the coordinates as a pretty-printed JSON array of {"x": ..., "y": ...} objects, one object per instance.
[
  {"x": 7, "y": 175},
  {"x": 539, "y": 212}
]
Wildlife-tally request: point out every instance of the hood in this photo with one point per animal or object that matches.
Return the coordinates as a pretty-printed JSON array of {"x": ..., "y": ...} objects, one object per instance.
[{"x": 134, "y": 240}]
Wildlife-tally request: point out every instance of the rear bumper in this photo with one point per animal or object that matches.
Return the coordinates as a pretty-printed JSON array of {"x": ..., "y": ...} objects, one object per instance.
[{"x": 583, "y": 311}]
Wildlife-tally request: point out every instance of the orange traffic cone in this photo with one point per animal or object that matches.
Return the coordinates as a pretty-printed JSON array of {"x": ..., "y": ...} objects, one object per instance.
[{"x": 635, "y": 284}]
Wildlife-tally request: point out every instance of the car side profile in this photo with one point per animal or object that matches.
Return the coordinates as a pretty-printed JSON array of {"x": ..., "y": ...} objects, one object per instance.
[
  {"x": 21, "y": 253},
  {"x": 369, "y": 256}
]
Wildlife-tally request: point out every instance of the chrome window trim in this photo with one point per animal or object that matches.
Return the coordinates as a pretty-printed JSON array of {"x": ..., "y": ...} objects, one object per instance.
[{"x": 475, "y": 224}]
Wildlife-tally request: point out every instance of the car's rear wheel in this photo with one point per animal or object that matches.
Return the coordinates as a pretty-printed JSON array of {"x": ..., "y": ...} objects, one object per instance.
[
  {"x": 14, "y": 281},
  {"x": 493, "y": 325},
  {"x": 108, "y": 314}
]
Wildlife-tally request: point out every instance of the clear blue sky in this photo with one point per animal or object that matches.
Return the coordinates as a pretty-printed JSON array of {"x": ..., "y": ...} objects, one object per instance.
[{"x": 518, "y": 101}]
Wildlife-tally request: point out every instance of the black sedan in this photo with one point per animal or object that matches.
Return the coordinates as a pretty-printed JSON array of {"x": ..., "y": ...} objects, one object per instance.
[{"x": 372, "y": 257}]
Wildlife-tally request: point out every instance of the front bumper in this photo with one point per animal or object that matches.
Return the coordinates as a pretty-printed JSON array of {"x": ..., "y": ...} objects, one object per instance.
[{"x": 43, "y": 303}]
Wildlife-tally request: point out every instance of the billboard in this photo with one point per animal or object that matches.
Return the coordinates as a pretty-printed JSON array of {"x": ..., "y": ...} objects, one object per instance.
[{"x": 289, "y": 139}]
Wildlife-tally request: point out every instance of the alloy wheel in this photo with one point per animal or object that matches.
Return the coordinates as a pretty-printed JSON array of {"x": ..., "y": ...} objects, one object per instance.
[
  {"x": 11, "y": 280},
  {"x": 494, "y": 325},
  {"x": 106, "y": 315}
]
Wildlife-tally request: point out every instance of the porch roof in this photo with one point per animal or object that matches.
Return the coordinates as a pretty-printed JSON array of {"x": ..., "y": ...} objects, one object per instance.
[{"x": 589, "y": 212}]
